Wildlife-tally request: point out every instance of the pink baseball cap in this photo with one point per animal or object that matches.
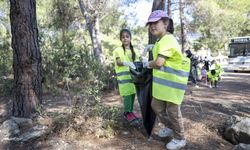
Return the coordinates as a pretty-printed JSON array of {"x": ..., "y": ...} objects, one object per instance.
[{"x": 156, "y": 15}]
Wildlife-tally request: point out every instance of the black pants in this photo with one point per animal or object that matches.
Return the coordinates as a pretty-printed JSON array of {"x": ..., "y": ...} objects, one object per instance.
[{"x": 193, "y": 75}]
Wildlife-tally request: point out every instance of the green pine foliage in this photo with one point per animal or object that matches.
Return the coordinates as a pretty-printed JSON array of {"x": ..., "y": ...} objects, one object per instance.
[{"x": 218, "y": 20}]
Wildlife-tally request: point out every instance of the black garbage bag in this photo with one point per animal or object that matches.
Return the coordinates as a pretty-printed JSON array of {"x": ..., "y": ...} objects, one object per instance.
[{"x": 142, "y": 77}]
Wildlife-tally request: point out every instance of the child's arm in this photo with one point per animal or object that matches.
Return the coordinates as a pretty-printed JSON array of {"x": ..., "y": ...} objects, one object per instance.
[
  {"x": 128, "y": 64},
  {"x": 157, "y": 63}
]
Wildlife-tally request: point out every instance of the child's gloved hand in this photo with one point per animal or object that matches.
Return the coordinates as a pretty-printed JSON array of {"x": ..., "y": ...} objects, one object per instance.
[
  {"x": 129, "y": 64},
  {"x": 145, "y": 63},
  {"x": 147, "y": 48}
]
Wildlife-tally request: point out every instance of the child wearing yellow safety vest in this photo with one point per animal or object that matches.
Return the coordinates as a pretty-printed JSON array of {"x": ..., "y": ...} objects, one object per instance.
[
  {"x": 170, "y": 77},
  {"x": 218, "y": 69},
  {"x": 213, "y": 78},
  {"x": 124, "y": 57},
  {"x": 214, "y": 75}
]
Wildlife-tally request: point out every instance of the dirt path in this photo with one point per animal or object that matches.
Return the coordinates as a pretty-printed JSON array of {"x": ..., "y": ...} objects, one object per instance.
[{"x": 204, "y": 112}]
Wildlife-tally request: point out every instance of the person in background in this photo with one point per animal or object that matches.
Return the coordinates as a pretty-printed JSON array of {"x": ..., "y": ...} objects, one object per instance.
[
  {"x": 204, "y": 75},
  {"x": 124, "y": 56},
  {"x": 213, "y": 79},
  {"x": 170, "y": 77},
  {"x": 193, "y": 76},
  {"x": 206, "y": 63},
  {"x": 218, "y": 69}
]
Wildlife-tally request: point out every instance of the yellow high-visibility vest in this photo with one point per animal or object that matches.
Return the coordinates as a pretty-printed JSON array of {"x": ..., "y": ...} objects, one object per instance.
[
  {"x": 125, "y": 84},
  {"x": 170, "y": 81},
  {"x": 212, "y": 77},
  {"x": 219, "y": 70}
]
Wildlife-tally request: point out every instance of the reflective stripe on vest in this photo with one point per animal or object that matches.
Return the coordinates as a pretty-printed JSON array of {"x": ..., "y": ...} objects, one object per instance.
[
  {"x": 123, "y": 73},
  {"x": 125, "y": 84},
  {"x": 124, "y": 81},
  {"x": 170, "y": 83},
  {"x": 174, "y": 71},
  {"x": 170, "y": 80},
  {"x": 124, "y": 77}
]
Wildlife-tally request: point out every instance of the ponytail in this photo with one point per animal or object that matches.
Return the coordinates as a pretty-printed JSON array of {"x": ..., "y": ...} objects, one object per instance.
[
  {"x": 123, "y": 47},
  {"x": 133, "y": 52},
  {"x": 170, "y": 27},
  {"x": 170, "y": 23}
]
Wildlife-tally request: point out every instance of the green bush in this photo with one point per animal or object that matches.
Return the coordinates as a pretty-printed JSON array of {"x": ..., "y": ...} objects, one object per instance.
[{"x": 67, "y": 60}]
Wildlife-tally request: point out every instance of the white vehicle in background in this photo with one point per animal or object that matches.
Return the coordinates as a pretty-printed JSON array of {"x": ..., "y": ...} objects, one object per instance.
[{"x": 239, "y": 54}]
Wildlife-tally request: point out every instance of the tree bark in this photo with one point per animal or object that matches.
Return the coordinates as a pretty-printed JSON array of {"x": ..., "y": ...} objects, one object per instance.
[
  {"x": 157, "y": 5},
  {"x": 169, "y": 8},
  {"x": 27, "y": 64},
  {"x": 97, "y": 33},
  {"x": 93, "y": 28},
  {"x": 184, "y": 44}
]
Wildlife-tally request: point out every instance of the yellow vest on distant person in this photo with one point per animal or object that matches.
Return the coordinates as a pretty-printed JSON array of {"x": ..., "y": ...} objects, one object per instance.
[
  {"x": 125, "y": 84},
  {"x": 219, "y": 70},
  {"x": 170, "y": 81},
  {"x": 212, "y": 77}
]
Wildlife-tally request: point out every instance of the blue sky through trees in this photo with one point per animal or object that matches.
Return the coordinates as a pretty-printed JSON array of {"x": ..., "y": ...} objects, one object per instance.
[{"x": 137, "y": 12}]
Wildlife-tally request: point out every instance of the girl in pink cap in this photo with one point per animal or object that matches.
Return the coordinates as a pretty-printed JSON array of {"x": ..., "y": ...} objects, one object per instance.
[{"x": 170, "y": 77}]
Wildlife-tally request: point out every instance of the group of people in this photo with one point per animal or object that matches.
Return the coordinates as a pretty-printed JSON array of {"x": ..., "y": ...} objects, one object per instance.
[
  {"x": 210, "y": 72},
  {"x": 170, "y": 69}
]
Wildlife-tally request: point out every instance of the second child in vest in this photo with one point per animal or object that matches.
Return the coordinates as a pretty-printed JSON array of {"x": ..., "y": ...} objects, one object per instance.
[
  {"x": 170, "y": 77},
  {"x": 213, "y": 78},
  {"x": 124, "y": 56},
  {"x": 217, "y": 67}
]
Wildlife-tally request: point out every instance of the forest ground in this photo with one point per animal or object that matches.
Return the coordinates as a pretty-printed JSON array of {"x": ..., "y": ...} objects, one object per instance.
[{"x": 204, "y": 110}]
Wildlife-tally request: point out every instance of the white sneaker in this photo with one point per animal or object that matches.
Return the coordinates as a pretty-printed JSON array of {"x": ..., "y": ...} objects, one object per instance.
[
  {"x": 165, "y": 132},
  {"x": 175, "y": 144}
]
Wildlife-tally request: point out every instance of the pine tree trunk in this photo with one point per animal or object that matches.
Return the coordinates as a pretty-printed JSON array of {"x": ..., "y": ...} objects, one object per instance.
[
  {"x": 157, "y": 5},
  {"x": 26, "y": 57},
  {"x": 98, "y": 52},
  {"x": 169, "y": 8},
  {"x": 184, "y": 44},
  {"x": 93, "y": 32}
]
